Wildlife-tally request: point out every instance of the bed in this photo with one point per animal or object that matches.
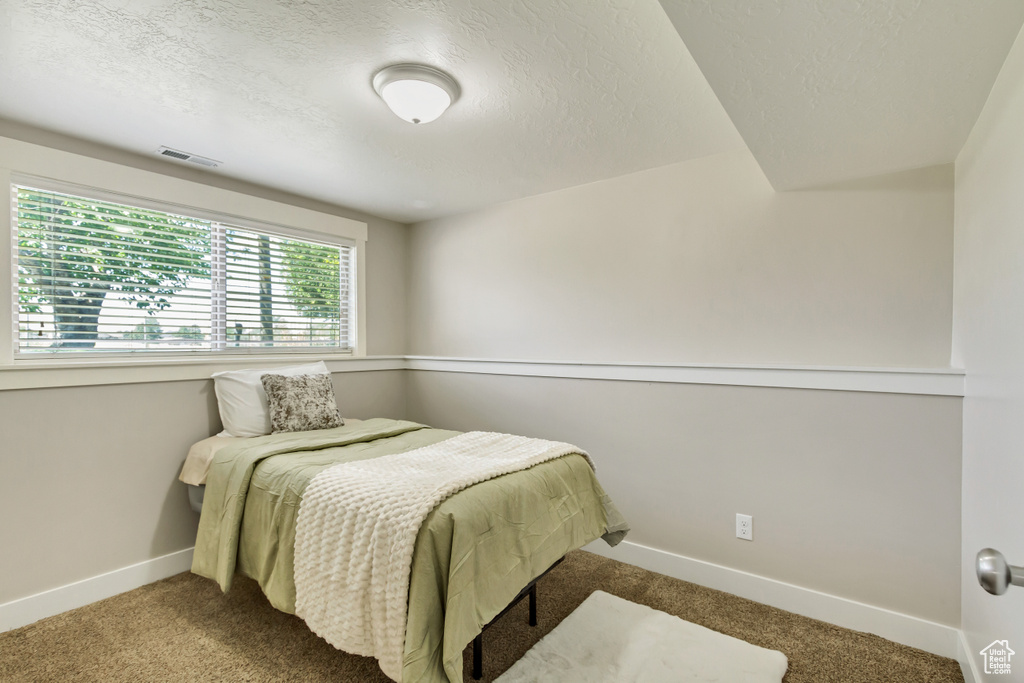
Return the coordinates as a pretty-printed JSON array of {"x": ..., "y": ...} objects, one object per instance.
[{"x": 475, "y": 552}]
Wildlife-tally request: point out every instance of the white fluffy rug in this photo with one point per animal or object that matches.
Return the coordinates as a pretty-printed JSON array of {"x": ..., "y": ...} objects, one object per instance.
[{"x": 608, "y": 639}]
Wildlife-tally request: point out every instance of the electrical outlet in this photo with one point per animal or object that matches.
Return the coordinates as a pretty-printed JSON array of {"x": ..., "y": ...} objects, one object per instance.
[{"x": 745, "y": 527}]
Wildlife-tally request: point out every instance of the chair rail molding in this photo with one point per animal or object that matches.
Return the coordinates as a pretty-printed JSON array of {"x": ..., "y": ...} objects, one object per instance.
[
  {"x": 925, "y": 381},
  {"x": 922, "y": 381}
]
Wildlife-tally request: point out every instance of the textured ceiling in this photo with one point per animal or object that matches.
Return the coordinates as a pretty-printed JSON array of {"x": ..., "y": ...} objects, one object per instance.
[
  {"x": 828, "y": 90},
  {"x": 554, "y": 93}
]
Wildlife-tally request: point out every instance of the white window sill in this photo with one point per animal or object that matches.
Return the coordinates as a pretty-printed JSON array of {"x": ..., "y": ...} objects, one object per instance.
[{"x": 28, "y": 374}]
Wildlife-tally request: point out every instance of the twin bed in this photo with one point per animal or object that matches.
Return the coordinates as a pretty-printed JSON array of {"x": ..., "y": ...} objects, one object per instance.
[{"x": 334, "y": 555}]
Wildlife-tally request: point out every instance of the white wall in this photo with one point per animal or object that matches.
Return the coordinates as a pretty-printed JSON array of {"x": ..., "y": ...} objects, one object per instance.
[
  {"x": 855, "y": 494},
  {"x": 698, "y": 262},
  {"x": 988, "y": 341}
]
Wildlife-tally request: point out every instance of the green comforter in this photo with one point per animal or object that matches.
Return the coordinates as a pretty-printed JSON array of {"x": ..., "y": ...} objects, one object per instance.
[{"x": 474, "y": 552}]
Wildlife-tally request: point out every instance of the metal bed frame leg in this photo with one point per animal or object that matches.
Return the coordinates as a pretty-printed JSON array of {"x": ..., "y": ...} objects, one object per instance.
[
  {"x": 478, "y": 642},
  {"x": 533, "y": 605},
  {"x": 478, "y": 657}
]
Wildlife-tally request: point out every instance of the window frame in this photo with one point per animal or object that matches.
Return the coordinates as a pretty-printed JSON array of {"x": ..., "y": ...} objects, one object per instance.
[
  {"x": 219, "y": 219},
  {"x": 47, "y": 168}
]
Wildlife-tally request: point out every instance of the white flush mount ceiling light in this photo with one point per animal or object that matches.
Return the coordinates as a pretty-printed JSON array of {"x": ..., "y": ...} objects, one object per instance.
[{"x": 416, "y": 93}]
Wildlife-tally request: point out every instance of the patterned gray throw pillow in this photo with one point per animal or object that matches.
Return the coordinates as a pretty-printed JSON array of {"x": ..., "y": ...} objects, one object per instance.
[{"x": 301, "y": 403}]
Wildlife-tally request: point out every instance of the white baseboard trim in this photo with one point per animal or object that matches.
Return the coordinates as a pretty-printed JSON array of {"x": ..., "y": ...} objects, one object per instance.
[
  {"x": 968, "y": 663},
  {"x": 24, "y": 611},
  {"x": 901, "y": 628}
]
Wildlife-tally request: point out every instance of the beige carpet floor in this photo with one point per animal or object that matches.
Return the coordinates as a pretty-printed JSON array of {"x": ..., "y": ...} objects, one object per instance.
[{"x": 184, "y": 629}]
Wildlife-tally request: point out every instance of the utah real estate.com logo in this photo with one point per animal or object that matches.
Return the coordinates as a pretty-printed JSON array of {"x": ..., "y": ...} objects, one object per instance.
[{"x": 997, "y": 657}]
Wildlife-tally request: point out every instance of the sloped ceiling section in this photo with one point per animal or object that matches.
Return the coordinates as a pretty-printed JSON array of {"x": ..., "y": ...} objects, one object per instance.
[
  {"x": 824, "y": 91},
  {"x": 555, "y": 93}
]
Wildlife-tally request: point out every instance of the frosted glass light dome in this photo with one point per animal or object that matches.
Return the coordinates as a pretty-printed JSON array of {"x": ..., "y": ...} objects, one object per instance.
[{"x": 414, "y": 92}]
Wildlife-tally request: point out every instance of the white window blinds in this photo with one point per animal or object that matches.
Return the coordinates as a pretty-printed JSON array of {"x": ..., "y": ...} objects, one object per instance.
[{"x": 95, "y": 275}]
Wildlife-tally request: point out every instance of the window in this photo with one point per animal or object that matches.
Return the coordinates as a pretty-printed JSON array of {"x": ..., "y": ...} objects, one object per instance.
[{"x": 107, "y": 275}]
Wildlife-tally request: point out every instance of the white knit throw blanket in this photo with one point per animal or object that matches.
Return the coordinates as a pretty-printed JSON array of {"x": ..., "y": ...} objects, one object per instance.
[{"x": 357, "y": 527}]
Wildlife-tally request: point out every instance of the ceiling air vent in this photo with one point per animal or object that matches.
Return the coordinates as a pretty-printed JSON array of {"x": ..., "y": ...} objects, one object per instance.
[{"x": 185, "y": 156}]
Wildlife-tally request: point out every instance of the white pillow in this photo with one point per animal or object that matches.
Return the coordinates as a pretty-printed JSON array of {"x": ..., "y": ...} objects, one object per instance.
[{"x": 242, "y": 400}]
